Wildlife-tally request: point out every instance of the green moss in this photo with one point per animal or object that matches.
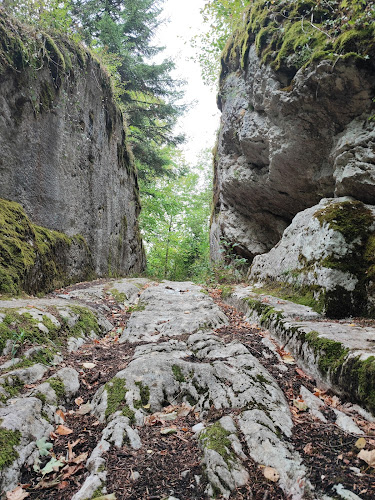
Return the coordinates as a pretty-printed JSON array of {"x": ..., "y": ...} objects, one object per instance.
[
  {"x": 177, "y": 372},
  {"x": 58, "y": 386},
  {"x": 12, "y": 386},
  {"x": 128, "y": 412},
  {"x": 351, "y": 218},
  {"x": 25, "y": 247},
  {"x": 86, "y": 323},
  {"x": 97, "y": 493},
  {"x": 144, "y": 393},
  {"x": 215, "y": 438},
  {"x": 291, "y": 34},
  {"x": 118, "y": 296},
  {"x": 138, "y": 307},
  {"x": 226, "y": 291},
  {"x": 116, "y": 391},
  {"x": 8, "y": 441},
  {"x": 40, "y": 396},
  {"x": 332, "y": 354},
  {"x": 47, "y": 96}
]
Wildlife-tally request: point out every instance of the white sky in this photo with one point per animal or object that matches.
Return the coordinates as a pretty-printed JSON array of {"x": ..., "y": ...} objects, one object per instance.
[{"x": 201, "y": 121}]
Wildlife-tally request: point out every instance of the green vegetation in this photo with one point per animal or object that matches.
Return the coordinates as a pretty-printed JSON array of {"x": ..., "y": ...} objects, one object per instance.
[
  {"x": 144, "y": 393},
  {"x": 116, "y": 391},
  {"x": 87, "y": 322},
  {"x": 128, "y": 412},
  {"x": 24, "y": 245},
  {"x": 12, "y": 386},
  {"x": 8, "y": 441},
  {"x": 291, "y": 34},
  {"x": 177, "y": 373},
  {"x": 118, "y": 296},
  {"x": 215, "y": 438},
  {"x": 58, "y": 386}
]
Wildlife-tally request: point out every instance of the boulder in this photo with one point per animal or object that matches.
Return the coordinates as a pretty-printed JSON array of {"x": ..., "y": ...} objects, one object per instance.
[{"x": 327, "y": 251}]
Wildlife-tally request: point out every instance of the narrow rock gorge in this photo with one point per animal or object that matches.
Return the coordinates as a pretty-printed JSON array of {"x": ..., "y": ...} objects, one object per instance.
[
  {"x": 298, "y": 132},
  {"x": 64, "y": 153}
]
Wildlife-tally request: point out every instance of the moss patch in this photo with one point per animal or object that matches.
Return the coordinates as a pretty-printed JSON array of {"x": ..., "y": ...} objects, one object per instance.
[
  {"x": 116, "y": 391},
  {"x": 58, "y": 386},
  {"x": 86, "y": 323},
  {"x": 144, "y": 393},
  {"x": 32, "y": 258},
  {"x": 215, "y": 438},
  {"x": 177, "y": 373},
  {"x": 8, "y": 441},
  {"x": 291, "y": 34}
]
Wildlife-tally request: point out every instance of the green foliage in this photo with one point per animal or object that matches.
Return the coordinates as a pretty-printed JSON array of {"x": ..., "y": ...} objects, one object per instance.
[
  {"x": 216, "y": 438},
  {"x": 175, "y": 222},
  {"x": 221, "y": 18}
]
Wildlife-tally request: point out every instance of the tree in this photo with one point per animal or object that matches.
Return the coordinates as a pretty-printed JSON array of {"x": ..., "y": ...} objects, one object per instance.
[
  {"x": 122, "y": 32},
  {"x": 221, "y": 18},
  {"x": 175, "y": 221}
]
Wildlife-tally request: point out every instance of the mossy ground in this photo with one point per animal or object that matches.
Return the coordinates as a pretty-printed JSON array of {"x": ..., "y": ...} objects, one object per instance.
[
  {"x": 58, "y": 386},
  {"x": 116, "y": 391},
  {"x": 291, "y": 34},
  {"x": 8, "y": 441},
  {"x": 215, "y": 438},
  {"x": 23, "y": 246}
]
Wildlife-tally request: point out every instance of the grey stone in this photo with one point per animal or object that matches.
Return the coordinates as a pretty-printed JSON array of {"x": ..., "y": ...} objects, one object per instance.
[
  {"x": 274, "y": 160},
  {"x": 23, "y": 415},
  {"x": 192, "y": 311},
  {"x": 28, "y": 375},
  {"x": 73, "y": 172},
  {"x": 346, "y": 423},
  {"x": 69, "y": 377}
]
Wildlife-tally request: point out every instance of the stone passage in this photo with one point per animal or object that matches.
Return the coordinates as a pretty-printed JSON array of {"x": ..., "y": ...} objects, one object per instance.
[{"x": 175, "y": 397}]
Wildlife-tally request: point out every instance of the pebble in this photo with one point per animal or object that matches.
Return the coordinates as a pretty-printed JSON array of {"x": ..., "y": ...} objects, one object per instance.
[{"x": 198, "y": 427}]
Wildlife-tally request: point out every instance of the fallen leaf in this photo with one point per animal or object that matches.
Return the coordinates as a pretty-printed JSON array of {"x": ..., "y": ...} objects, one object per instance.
[
  {"x": 70, "y": 470},
  {"x": 168, "y": 430},
  {"x": 84, "y": 409},
  {"x": 43, "y": 447},
  {"x": 288, "y": 359},
  {"x": 46, "y": 484},
  {"x": 78, "y": 401},
  {"x": 62, "y": 430},
  {"x": 308, "y": 449},
  {"x": 61, "y": 414},
  {"x": 302, "y": 374},
  {"x": 300, "y": 404},
  {"x": 63, "y": 485},
  {"x": 147, "y": 406},
  {"x": 368, "y": 457},
  {"x": 81, "y": 458},
  {"x": 18, "y": 494},
  {"x": 52, "y": 466},
  {"x": 271, "y": 474},
  {"x": 360, "y": 443},
  {"x": 88, "y": 365}
]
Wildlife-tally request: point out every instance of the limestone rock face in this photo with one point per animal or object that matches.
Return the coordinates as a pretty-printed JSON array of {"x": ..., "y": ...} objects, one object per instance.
[
  {"x": 286, "y": 144},
  {"x": 327, "y": 250},
  {"x": 64, "y": 152}
]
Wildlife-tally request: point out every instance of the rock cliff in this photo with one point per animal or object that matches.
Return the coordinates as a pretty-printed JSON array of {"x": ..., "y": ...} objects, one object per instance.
[
  {"x": 297, "y": 98},
  {"x": 64, "y": 152}
]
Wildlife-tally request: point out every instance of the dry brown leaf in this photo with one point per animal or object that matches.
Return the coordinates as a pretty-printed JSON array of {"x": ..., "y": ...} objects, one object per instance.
[
  {"x": 17, "y": 494},
  {"x": 78, "y": 401},
  {"x": 302, "y": 374},
  {"x": 368, "y": 457},
  {"x": 308, "y": 449},
  {"x": 81, "y": 458},
  {"x": 61, "y": 414},
  {"x": 63, "y": 485},
  {"x": 71, "y": 470},
  {"x": 271, "y": 474},
  {"x": 62, "y": 430},
  {"x": 288, "y": 359}
]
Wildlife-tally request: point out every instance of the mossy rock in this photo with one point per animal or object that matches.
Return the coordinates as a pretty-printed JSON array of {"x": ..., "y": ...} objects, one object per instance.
[
  {"x": 292, "y": 34},
  {"x": 33, "y": 258},
  {"x": 8, "y": 441}
]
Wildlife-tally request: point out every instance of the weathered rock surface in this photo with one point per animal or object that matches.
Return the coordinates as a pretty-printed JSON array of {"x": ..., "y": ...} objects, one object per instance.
[
  {"x": 64, "y": 151},
  {"x": 327, "y": 251},
  {"x": 192, "y": 310},
  {"x": 291, "y": 133}
]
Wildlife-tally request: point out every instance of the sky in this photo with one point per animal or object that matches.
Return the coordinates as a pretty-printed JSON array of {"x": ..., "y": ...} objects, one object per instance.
[{"x": 201, "y": 121}]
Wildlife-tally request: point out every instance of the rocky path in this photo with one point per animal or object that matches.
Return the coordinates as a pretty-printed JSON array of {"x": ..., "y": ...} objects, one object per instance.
[{"x": 175, "y": 396}]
